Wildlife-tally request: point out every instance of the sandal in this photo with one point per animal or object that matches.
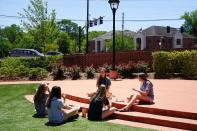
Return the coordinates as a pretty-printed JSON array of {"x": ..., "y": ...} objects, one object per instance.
[{"x": 123, "y": 110}]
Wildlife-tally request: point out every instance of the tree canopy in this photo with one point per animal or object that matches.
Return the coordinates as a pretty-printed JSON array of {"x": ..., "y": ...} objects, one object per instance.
[
  {"x": 126, "y": 45},
  {"x": 190, "y": 24}
]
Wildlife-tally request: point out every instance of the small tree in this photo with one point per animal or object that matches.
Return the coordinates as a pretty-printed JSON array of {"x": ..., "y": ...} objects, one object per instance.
[
  {"x": 190, "y": 24},
  {"x": 127, "y": 45},
  {"x": 39, "y": 24},
  {"x": 65, "y": 43}
]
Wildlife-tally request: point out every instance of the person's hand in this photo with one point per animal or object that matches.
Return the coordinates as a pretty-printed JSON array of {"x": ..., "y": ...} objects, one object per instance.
[
  {"x": 134, "y": 89},
  {"x": 63, "y": 96}
]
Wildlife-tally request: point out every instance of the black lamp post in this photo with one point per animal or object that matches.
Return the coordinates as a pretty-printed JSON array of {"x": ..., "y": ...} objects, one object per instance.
[{"x": 114, "y": 6}]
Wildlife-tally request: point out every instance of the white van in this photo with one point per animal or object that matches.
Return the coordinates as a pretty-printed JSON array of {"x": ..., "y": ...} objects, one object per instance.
[{"x": 25, "y": 53}]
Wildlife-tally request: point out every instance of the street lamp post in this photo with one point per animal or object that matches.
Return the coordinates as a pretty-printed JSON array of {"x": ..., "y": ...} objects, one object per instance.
[{"x": 114, "y": 6}]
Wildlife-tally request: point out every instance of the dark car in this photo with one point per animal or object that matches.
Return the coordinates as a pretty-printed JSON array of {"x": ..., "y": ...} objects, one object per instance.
[
  {"x": 54, "y": 53},
  {"x": 18, "y": 52}
]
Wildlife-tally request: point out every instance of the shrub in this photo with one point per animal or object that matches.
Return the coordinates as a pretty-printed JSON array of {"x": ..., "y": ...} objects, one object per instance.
[
  {"x": 37, "y": 73},
  {"x": 141, "y": 67},
  {"x": 189, "y": 63},
  {"x": 58, "y": 74},
  {"x": 161, "y": 64},
  {"x": 181, "y": 62},
  {"x": 90, "y": 72},
  {"x": 74, "y": 72},
  {"x": 13, "y": 67},
  {"x": 126, "y": 70}
]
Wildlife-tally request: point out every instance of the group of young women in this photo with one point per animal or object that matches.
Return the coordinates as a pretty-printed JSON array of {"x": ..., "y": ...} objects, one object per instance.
[{"x": 50, "y": 102}]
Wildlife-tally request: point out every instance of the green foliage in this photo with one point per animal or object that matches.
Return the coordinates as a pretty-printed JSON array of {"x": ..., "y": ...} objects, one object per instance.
[
  {"x": 58, "y": 74},
  {"x": 40, "y": 25},
  {"x": 69, "y": 27},
  {"x": 94, "y": 34},
  {"x": 64, "y": 43},
  {"x": 126, "y": 46},
  {"x": 189, "y": 63},
  {"x": 10, "y": 37},
  {"x": 141, "y": 67},
  {"x": 37, "y": 73},
  {"x": 90, "y": 72},
  {"x": 126, "y": 70},
  {"x": 190, "y": 24},
  {"x": 182, "y": 62},
  {"x": 74, "y": 72},
  {"x": 33, "y": 68}
]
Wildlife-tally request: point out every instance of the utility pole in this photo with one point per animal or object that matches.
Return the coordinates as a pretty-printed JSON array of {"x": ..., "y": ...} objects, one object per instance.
[
  {"x": 123, "y": 28},
  {"x": 79, "y": 42},
  {"x": 87, "y": 26}
]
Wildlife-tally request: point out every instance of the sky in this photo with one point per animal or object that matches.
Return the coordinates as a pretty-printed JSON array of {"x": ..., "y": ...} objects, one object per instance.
[{"x": 133, "y": 10}]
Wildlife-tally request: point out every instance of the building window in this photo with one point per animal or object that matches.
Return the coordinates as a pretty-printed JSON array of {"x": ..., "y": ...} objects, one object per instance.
[
  {"x": 178, "y": 41},
  {"x": 138, "y": 41},
  {"x": 98, "y": 46}
]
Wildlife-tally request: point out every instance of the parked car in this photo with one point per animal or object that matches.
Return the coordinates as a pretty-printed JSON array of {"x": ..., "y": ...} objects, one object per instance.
[
  {"x": 18, "y": 52},
  {"x": 54, "y": 53}
]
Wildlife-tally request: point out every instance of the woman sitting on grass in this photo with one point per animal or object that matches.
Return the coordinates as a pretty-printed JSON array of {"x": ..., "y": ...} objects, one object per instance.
[
  {"x": 103, "y": 79},
  {"x": 58, "y": 112},
  {"x": 144, "y": 95},
  {"x": 100, "y": 100},
  {"x": 40, "y": 99}
]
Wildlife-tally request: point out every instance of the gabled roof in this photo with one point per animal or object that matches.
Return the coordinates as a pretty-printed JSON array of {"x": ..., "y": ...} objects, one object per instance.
[{"x": 162, "y": 31}]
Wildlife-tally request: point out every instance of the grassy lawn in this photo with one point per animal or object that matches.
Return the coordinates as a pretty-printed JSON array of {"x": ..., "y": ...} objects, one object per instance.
[{"x": 16, "y": 114}]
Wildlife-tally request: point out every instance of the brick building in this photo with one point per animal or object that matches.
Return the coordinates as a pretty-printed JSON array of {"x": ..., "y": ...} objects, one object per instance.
[{"x": 156, "y": 37}]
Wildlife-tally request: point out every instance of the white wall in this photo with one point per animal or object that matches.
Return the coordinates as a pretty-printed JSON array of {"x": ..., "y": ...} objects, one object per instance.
[
  {"x": 143, "y": 39},
  {"x": 176, "y": 36}
]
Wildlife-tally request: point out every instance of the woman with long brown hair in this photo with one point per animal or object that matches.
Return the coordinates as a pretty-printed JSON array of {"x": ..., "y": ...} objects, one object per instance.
[
  {"x": 40, "y": 98},
  {"x": 57, "y": 111},
  {"x": 103, "y": 79},
  {"x": 99, "y": 101}
]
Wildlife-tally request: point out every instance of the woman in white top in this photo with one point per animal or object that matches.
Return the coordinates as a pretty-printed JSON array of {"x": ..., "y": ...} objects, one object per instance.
[{"x": 57, "y": 111}]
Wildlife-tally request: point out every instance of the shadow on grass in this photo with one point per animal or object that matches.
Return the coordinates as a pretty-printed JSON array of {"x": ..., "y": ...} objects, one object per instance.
[
  {"x": 58, "y": 124},
  {"x": 38, "y": 116},
  {"x": 72, "y": 119}
]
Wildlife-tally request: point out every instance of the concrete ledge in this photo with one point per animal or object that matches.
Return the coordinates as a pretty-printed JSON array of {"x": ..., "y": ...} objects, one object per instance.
[{"x": 150, "y": 110}]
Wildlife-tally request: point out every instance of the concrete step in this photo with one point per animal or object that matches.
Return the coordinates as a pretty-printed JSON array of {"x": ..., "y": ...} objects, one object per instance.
[
  {"x": 138, "y": 117},
  {"x": 151, "y": 121},
  {"x": 143, "y": 109},
  {"x": 143, "y": 125},
  {"x": 180, "y": 123}
]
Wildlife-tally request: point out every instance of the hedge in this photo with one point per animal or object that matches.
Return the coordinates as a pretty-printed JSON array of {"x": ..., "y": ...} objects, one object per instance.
[
  {"x": 33, "y": 68},
  {"x": 183, "y": 63}
]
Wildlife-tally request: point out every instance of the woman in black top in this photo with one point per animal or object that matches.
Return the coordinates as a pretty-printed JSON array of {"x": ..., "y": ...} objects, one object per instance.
[
  {"x": 103, "y": 79},
  {"x": 97, "y": 103}
]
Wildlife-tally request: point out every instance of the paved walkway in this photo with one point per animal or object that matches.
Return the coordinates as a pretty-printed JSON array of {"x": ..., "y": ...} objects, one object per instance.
[{"x": 179, "y": 95}]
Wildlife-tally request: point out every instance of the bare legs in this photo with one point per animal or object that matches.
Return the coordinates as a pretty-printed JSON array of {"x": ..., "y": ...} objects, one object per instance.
[
  {"x": 71, "y": 111},
  {"x": 133, "y": 99},
  {"x": 107, "y": 113}
]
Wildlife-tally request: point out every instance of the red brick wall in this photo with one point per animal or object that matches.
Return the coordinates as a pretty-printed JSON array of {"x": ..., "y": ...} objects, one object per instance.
[
  {"x": 99, "y": 59},
  {"x": 152, "y": 43},
  {"x": 189, "y": 43}
]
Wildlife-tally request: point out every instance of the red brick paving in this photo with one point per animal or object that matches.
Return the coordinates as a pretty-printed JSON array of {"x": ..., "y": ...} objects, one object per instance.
[{"x": 179, "y": 95}]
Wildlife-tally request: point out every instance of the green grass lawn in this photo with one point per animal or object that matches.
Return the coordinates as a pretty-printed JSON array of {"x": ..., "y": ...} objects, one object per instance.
[{"x": 16, "y": 114}]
